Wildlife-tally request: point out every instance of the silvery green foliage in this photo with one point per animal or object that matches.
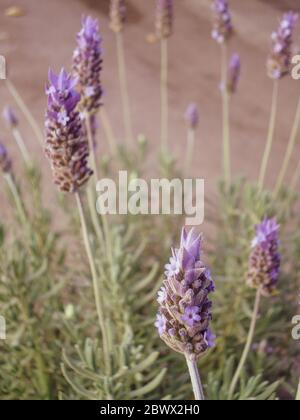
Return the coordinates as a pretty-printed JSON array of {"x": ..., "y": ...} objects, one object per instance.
[
  {"x": 251, "y": 388},
  {"x": 30, "y": 259},
  {"x": 135, "y": 372},
  {"x": 273, "y": 352}
]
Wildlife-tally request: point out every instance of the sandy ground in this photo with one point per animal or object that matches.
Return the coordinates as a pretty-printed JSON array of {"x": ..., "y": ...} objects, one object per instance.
[{"x": 45, "y": 36}]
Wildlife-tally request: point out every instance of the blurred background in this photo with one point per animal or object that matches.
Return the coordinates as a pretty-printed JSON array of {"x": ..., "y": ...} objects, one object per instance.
[{"x": 38, "y": 34}]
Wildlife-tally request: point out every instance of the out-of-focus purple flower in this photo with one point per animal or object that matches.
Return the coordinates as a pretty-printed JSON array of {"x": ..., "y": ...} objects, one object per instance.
[
  {"x": 164, "y": 18},
  {"x": 10, "y": 117},
  {"x": 192, "y": 116},
  {"x": 87, "y": 65},
  {"x": 66, "y": 143},
  {"x": 5, "y": 162},
  {"x": 264, "y": 262},
  {"x": 279, "y": 61},
  {"x": 234, "y": 73},
  {"x": 117, "y": 15},
  {"x": 210, "y": 339},
  {"x": 184, "y": 303},
  {"x": 222, "y": 25}
]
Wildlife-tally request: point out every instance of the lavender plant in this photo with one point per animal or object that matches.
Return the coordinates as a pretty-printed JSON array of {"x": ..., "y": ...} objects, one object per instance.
[
  {"x": 263, "y": 274},
  {"x": 49, "y": 305},
  {"x": 185, "y": 310},
  {"x": 164, "y": 27},
  {"x": 192, "y": 120},
  {"x": 278, "y": 66},
  {"x": 117, "y": 21},
  {"x": 221, "y": 33}
]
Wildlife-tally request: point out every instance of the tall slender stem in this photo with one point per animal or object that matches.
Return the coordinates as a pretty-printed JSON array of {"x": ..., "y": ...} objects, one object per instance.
[
  {"x": 226, "y": 124},
  {"x": 164, "y": 125},
  {"x": 96, "y": 286},
  {"x": 92, "y": 207},
  {"x": 27, "y": 113},
  {"x": 108, "y": 130},
  {"x": 295, "y": 178},
  {"x": 190, "y": 150},
  {"x": 289, "y": 150},
  {"x": 269, "y": 143},
  {"x": 87, "y": 120},
  {"x": 124, "y": 89},
  {"x": 247, "y": 346},
  {"x": 17, "y": 199},
  {"x": 22, "y": 147},
  {"x": 195, "y": 379}
]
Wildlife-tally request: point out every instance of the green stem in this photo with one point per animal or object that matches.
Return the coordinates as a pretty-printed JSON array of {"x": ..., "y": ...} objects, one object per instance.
[
  {"x": 289, "y": 150},
  {"x": 108, "y": 130},
  {"x": 94, "y": 217},
  {"x": 164, "y": 94},
  {"x": 195, "y": 379},
  {"x": 247, "y": 346},
  {"x": 190, "y": 150},
  {"x": 27, "y": 113},
  {"x": 269, "y": 143},
  {"x": 87, "y": 120},
  {"x": 92, "y": 207},
  {"x": 17, "y": 199},
  {"x": 226, "y": 124},
  {"x": 96, "y": 286},
  {"x": 22, "y": 147},
  {"x": 124, "y": 88}
]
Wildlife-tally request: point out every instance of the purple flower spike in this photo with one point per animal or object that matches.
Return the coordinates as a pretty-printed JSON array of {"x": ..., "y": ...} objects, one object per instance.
[
  {"x": 184, "y": 307},
  {"x": 10, "y": 117},
  {"x": 66, "y": 143},
  {"x": 192, "y": 116},
  {"x": 5, "y": 162},
  {"x": 264, "y": 262},
  {"x": 279, "y": 61},
  {"x": 234, "y": 73},
  {"x": 117, "y": 15},
  {"x": 164, "y": 18},
  {"x": 87, "y": 65},
  {"x": 222, "y": 26}
]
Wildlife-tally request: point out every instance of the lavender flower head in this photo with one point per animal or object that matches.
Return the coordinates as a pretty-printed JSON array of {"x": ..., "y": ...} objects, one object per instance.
[
  {"x": 222, "y": 25},
  {"x": 192, "y": 116},
  {"x": 117, "y": 15},
  {"x": 10, "y": 117},
  {"x": 5, "y": 162},
  {"x": 279, "y": 61},
  {"x": 184, "y": 307},
  {"x": 87, "y": 65},
  {"x": 164, "y": 18},
  {"x": 234, "y": 73},
  {"x": 66, "y": 144},
  {"x": 264, "y": 262}
]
